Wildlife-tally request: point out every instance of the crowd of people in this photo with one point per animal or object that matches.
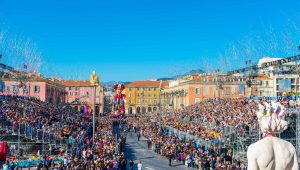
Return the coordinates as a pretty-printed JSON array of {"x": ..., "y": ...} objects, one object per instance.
[
  {"x": 203, "y": 125},
  {"x": 198, "y": 145},
  {"x": 81, "y": 150},
  {"x": 188, "y": 151}
]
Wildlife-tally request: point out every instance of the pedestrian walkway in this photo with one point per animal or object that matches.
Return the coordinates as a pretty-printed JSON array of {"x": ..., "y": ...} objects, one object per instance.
[{"x": 138, "y": 150}]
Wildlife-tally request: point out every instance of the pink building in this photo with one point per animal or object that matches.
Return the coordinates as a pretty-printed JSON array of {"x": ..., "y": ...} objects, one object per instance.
[
  {"x": 48, "y": 90},
  {"x": 81, "y": 93}
]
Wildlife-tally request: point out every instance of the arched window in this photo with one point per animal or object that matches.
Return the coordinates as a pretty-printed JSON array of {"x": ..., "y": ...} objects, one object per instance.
[
  {"x": 130, "y": 110},
  {"x": 138, "y": 110},
  {"x": 149, "y": 109},
  {"x": 143, "y": 109}
]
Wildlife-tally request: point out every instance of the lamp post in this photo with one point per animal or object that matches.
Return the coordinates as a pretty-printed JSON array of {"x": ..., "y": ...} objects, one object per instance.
[{"x": 94, "y": 80}]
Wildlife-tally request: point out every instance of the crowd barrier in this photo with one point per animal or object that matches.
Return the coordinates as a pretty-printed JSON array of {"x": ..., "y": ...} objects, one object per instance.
[
  {"x": 30, "y": 132},
  {"x": 30, "y": 163}
]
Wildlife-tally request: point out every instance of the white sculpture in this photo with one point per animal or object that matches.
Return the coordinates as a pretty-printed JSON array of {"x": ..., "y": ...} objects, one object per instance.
[{"x": 271, "y": 153}]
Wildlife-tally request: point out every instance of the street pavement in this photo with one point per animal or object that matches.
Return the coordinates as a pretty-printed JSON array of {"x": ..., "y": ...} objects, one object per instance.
[{"x": 138, "y": 150}]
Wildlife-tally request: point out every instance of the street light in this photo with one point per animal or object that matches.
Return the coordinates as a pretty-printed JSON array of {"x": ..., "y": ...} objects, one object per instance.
[{"x": 94, "y": 80}]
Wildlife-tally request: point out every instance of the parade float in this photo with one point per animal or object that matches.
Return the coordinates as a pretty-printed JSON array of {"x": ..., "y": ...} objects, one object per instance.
[
  {"x": 118, "y": 103},
  {"x": 271, "y": 152}
]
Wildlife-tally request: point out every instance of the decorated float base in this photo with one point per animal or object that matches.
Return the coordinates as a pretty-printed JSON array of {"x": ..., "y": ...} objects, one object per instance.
[{"x": 272, "y": 153}]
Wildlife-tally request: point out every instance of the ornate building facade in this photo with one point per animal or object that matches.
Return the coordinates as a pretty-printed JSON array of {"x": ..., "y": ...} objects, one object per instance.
[
  {"x": 80, "y": 94},
  {"x": 143, "y": 96}
]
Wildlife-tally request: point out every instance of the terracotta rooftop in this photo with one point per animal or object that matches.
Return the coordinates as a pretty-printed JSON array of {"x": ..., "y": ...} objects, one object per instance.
[
  {"x": 81, "y": 83},
  {"x": 148, "y": 84}
]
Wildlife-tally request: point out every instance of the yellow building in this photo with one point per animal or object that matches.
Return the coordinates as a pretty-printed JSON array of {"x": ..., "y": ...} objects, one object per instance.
[{"x": 143, "y": 96}]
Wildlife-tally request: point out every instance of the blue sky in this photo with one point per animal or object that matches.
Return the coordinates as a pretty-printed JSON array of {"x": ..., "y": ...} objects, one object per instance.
[{"x": 143, "y": 39}]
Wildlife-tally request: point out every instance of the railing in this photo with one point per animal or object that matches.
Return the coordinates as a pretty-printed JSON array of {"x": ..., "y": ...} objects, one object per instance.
[{"x": 28, "y": 134}]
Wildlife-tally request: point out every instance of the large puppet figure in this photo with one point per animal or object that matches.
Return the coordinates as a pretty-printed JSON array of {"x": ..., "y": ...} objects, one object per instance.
[
  {"x": 271, "y": 152},
  {"x": 118, "y": 101}
]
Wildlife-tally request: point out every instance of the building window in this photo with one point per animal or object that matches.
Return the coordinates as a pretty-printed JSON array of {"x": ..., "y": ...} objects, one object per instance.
[
  {"x": 76, "y": 88},
  {"x": 197, "y": 100},
  {"x": 224, "y": 91},
  {"x": 216, "y": 91},
  {"x": 70, "y": 88},
  {"x": 36, "y": 89},
  {"x": 197, "y": 91},
  {"x": 76, "y": 93},
  {"x": 149, "y": 89},
  {"x": 129, "y": 89},
  {"x": 15, "y": 89},
  {"x": 154, "y": 101},
  {"x": 138, "y": 89},
  {"x": 261, "y": 92},
  {"x": 25, "y": 89},
  {"x": 232, "y": 90},
  {"x": 129, "y": 101},
  {"x": 70, "y": 94},
  {"x": 277, "y": 80},
  {"x": 149, "y": 95},
  {"x": 87, "y": 94},
  {"x": 138, "y": 95},
  {"x": 206, "y": 79},
  {"x": 267, "y": 83},
  {"x": 206, "y": 90},
  {"x": 129, "y": 94},
  {"x": 143, "y": 101}
]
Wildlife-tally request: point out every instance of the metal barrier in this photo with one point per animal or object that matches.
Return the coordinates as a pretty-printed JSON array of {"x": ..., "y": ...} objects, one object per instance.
[{"x": 29, "y": 137}]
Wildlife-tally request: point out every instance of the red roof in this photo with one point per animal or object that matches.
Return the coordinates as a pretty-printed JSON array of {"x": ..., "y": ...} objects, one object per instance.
[
  {"x": 80, "y": 83},
  {"x": 148, "y": 84}
]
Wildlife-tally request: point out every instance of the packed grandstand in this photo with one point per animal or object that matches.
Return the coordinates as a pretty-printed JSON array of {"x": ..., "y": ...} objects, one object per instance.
[{"x": 214, "y": 133}]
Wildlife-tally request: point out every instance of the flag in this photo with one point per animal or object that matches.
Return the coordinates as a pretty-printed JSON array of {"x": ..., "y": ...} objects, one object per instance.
[{"x": 25, "y": 66}]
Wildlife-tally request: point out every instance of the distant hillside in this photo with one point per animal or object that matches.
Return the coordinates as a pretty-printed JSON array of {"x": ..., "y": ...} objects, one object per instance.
[
  {"x": 192, "y": 72},
  {"x": 164, "y": 79}
]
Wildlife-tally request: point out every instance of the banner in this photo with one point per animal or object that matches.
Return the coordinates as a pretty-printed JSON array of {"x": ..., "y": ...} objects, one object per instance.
[{"x": 3, "y": 149}]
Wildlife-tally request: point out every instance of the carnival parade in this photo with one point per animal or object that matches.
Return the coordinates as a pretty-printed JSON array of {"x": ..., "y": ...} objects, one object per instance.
[{"x": 149, "y": 85}]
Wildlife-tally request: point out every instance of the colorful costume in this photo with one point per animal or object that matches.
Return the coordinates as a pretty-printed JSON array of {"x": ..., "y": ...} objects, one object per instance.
[{"x": 118, "y": 102}]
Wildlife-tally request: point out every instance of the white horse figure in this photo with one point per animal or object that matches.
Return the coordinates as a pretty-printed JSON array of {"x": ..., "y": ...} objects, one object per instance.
[{"x": 272, "y": 153}]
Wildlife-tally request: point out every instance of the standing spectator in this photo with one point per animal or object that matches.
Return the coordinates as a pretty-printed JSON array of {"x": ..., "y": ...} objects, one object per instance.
[
  {"x": 131, "y": 164},
  {"x": 140, "y": 165},
  {"x": 139, "y": 135}
]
